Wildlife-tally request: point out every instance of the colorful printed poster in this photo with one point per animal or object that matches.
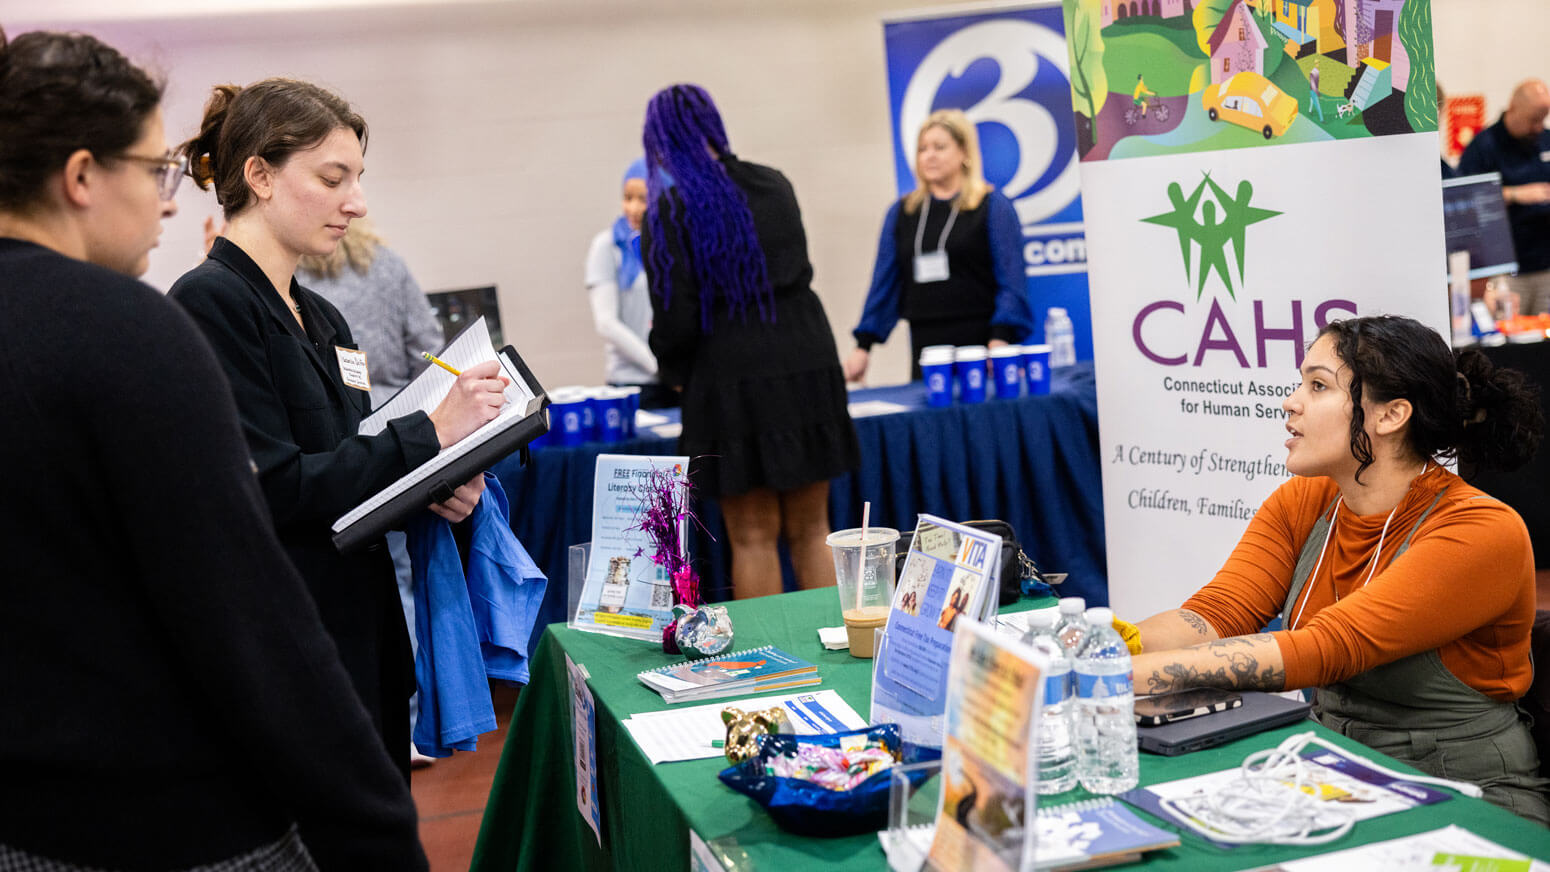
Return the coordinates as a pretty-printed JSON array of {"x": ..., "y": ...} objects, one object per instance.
[
  {"x": 1005, "y": 67},
  {"x": 951, "y": 571},
  {"x": 584, "y": 745},
  {"x": 988, "y": 754},
  {"x": 1251, "y": 170},
  {"x": 625, "y": 593}
]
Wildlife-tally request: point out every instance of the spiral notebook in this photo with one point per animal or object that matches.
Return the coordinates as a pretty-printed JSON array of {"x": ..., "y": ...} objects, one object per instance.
[
  {"x": 1088, "y": 834},
  {"x": 1094, "y": 833},
  {"x": 756, "y": 670}
]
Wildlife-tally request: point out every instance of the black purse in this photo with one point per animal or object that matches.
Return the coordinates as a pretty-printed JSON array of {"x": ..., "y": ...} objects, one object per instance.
[{"x": 1016, "y": 567}]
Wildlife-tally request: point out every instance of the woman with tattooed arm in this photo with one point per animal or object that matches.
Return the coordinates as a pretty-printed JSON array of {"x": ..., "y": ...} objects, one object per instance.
[{"x": 1406, "y": 595}]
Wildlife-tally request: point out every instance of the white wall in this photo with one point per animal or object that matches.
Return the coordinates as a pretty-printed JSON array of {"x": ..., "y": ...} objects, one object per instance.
[
  {"x": 499, "y": 129},
  {"x": 1489, "y": 46}
]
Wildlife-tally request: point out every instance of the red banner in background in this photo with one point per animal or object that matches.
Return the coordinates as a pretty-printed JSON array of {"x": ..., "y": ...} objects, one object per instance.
[{"x": 1462, "y": 118}]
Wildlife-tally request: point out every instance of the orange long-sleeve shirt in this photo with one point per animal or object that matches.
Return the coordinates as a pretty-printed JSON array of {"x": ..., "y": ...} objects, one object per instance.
[{"x": 1465, "y": 586}]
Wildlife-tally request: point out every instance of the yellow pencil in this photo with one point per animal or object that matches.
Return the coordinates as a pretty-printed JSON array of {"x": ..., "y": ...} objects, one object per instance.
[{"x": 441, "y": 363}]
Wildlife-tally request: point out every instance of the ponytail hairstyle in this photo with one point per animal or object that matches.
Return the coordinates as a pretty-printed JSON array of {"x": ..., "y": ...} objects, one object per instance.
[
  {"x": 60, "y": 93},
  {"x": 272, "y": 119},
  {"x": 704, "y": 207},
  {"x": 1464, "y": 407},
  {"x": 974, "y": 188}
]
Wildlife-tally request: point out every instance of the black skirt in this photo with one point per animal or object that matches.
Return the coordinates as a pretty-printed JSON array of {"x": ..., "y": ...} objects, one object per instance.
[{"x": 765, "y": 404}]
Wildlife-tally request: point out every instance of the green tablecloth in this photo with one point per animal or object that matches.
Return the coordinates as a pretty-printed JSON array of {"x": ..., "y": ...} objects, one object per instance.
[{"x": 531, "y": 821}]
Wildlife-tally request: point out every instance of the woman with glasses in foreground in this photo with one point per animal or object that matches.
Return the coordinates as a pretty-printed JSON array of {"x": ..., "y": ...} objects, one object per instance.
[{"x": 171, "y": 698}]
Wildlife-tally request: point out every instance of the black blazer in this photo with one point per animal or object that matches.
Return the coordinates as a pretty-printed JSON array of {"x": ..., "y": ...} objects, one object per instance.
[{"x": 300, "y": 421}]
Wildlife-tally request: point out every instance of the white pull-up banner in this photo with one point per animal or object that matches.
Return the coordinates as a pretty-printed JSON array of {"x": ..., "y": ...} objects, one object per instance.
[{"x": 1251, "y": 170}]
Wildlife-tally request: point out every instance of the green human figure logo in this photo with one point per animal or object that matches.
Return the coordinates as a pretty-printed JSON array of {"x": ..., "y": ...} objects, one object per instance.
[{"x": 1211, "y": 235}]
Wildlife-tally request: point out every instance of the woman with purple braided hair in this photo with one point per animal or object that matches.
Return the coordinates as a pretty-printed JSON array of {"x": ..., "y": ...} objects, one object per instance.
[{"x": 736, "y": 326}]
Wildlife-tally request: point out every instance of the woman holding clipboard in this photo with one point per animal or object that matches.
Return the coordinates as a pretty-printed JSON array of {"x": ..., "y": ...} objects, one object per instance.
[
  {"x": 285, "y": 158},
  {"x": 171, "y": 698}
]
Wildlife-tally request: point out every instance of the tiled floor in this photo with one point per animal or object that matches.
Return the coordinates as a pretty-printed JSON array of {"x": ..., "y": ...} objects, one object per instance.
[{"x": 451, "y": 793}]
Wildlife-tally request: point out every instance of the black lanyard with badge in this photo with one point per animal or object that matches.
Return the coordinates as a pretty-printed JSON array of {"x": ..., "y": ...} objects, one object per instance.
[{"x": 932, "y": 267}]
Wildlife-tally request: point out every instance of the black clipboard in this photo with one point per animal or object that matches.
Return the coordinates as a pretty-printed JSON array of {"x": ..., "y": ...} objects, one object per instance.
[{"x": 435, "y": 486}]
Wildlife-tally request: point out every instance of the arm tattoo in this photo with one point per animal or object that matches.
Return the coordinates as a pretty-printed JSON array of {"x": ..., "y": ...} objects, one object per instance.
[
  {"x": 1196, "y": 622},
  {"x": 1229, "y": 664}
]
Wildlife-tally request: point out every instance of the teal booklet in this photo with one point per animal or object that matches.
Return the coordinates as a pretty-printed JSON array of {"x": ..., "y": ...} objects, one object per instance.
[{"x": 757, "y": 670}]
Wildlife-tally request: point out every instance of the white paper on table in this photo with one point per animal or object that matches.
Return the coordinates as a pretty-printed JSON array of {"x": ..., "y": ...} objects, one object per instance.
[
  {"x": 584, "y": 736},
  {"x": 687, "y": 734},
  {"x": 1015, "y": 624},
  {"x": 668, "y": 431},
  {"x": 1417, "y": 853},
  {"x": 834, "y": 638},
  {"x": 873, "y": 408},
  {"x": 644, "y": 418}
]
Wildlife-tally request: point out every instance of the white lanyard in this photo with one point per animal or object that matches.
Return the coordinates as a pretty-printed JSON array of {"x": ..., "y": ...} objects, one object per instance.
[
  {"x": 920, "y": 229},
  {"x": 1372, "y": 566}
]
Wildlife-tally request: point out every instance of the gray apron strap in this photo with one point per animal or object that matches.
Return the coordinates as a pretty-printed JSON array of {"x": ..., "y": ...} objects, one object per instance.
[
  {"x": 1306, "y": 561},
  {"x": 1416, "y": 710}
]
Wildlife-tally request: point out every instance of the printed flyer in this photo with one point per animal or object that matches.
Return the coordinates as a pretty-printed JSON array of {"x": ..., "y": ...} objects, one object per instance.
[
  {"x": 988, "y": 754},
  {"x": 951, "y": 571},
  {"x": 584, "y": 743},
  {"x": 626, "y": 593}
]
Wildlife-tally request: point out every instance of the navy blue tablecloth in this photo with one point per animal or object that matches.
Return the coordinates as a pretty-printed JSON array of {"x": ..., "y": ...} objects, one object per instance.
[{"x": 1032, "y": 462}]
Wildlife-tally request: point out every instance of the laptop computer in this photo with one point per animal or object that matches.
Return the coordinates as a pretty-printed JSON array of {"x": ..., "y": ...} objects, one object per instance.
[{"x": 1259, "y": 712}]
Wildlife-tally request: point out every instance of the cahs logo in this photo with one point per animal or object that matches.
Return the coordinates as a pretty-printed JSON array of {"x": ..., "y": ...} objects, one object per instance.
[
  {"x": 1222, "y": 220},
  {"x": 1018, "y": 49},
  {"x": 1208, "y": 222}
]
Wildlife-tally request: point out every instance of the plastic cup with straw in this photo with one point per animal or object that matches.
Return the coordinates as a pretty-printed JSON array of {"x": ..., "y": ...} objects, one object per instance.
[{"x": 863, "y": 568}]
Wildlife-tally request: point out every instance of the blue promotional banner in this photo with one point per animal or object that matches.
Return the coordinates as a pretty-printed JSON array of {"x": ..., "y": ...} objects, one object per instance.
[{"x": 1005, "y": 67}]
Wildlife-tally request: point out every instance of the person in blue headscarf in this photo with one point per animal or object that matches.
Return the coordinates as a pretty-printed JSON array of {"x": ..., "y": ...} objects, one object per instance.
[{"x": 621, "y": 308}]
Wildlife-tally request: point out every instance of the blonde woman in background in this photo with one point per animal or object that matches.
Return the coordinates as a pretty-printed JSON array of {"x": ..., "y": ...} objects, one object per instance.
[
  {"x": 372, "y": 288},
  {"x": 950, "y": 256}
]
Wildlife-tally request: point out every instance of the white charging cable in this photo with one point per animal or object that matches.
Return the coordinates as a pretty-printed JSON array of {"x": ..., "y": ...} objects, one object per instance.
[{"x": 1275, "y": 801}]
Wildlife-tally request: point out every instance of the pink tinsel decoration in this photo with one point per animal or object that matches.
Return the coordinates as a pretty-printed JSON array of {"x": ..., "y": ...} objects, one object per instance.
[{"x": 664, "y": 499}]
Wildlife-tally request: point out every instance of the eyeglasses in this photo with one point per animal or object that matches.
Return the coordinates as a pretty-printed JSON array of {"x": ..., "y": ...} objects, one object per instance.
[{"x": 169, "y": 171}]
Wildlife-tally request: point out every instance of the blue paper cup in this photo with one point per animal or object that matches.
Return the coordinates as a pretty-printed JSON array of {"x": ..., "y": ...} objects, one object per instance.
[
  {"x": 631, "y": 406},
  {"x": 567, "y": 416},
  {"x": 936, "y": 367},
  {"x": 592, "y": 414},
  {"x": 1006, "y": 365},
  {"x": 1036, "y": 363},
  {"x": 610, "y": 404},
  {"x": 969, "y": 368}
]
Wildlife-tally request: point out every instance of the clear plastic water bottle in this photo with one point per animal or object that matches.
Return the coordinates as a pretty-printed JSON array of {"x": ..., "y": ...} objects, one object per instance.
[
  {"x": 1071, "y": 629},
  {"x": 1057, "y": 751},
  {"x": 1060, "y": 336},
  {"x": 1107, "y": 759}
]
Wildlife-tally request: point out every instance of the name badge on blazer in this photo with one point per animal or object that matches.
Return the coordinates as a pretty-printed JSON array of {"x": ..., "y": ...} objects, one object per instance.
[
  {"x": 352, "y": 368},
  {"x": 931, "y": 267}
]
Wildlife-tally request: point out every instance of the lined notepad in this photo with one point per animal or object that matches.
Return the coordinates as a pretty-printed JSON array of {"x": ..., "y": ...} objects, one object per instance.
[{"x": 424, "y": 394}]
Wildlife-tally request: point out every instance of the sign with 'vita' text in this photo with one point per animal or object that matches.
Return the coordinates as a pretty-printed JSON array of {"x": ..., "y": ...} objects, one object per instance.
[{"x": 1251, "y": 170}]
